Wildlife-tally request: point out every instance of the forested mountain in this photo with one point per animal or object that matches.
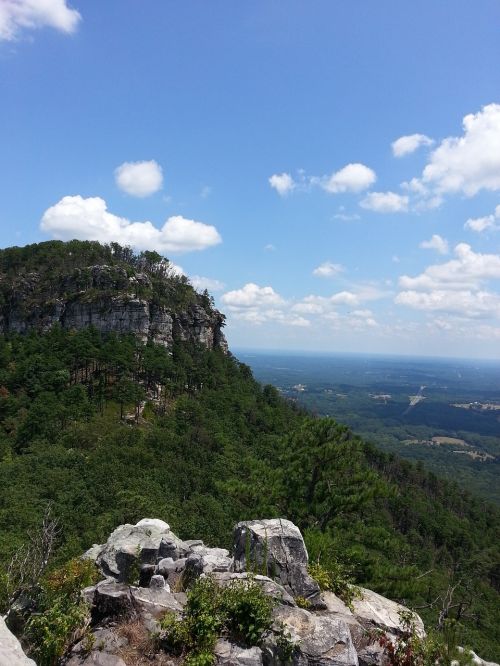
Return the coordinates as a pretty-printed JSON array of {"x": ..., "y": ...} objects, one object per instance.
[{"x": 107, "y": 425}]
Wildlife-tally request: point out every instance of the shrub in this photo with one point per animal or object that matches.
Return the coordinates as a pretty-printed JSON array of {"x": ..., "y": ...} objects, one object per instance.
[
  {"x": 335, "y": 579},
  {"x": 62, "y": 616},
  {"x": 241, "y": 611}
]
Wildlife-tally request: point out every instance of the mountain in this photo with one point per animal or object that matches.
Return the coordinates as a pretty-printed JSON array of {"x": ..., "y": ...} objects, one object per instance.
[
  {"x": 81, "y": 284},
  {"x": 106, "y": 418}
]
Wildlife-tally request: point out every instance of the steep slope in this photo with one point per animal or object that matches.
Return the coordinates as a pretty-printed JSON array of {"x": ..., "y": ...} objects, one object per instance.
[{"x": 106, "y": 428}]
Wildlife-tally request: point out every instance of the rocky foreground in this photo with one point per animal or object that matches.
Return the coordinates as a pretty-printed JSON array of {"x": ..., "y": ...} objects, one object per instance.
[{"x": 323, "y": 630}]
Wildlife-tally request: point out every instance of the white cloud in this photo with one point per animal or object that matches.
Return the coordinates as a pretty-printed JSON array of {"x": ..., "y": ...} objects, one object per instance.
[
  {"x": 206, "y": 191},
  {"x": 201, "y": 283},
  {"x": 385, "y": 202},
  {"x": 327, "y": 270},
  {"x": 89, "y": 219},
  {"x": 409, "y": 144},
  {"x": 468, "y": 271},
  {"x": 17, "y": 15},
  {"x": 455, "y": 287},
  {"x": 351, "y": 178},
  {"x": 251, "y": 296},
  {"x": 269, "y": 247},
  {"x": 258, "y": 305},
  {"x": 437, "y": 243},
  {"x": 283, "y": 183},
  {"x": 469, "y": 163},
  {"x": 465, "y": 303},
  {"x": 139, "y": 179},
  {"x": 487, "y": 223}
]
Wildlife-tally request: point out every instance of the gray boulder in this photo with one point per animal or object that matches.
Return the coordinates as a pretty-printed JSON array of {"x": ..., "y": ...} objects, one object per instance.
[
  {"x": 228, "y": 654},
  {"x": 207, "y": 561},
  {"x": 267, "y": 585},
  {"x": 277, "y": 547},
  {"x": 112, "y": 600},
  {"x": 11, "y": 652},
  {"x": 320, "y": 640},
  {"x": 95, "y": 658},
  {"x": 131, "y": 545},
  {"x": 373, "y": 611},
  {"x": 154, "y": 601}
]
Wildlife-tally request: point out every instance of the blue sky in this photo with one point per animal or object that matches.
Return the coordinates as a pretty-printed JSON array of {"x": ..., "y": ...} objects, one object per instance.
[{"x": 256, "y": 145}]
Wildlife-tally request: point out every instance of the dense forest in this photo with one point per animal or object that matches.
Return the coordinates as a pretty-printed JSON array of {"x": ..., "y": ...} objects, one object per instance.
[{"x": 106, "y": 430}]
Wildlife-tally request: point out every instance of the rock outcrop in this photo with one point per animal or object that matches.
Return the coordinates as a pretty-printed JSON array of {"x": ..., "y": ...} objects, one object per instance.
[
  {"x": 112, "y": 301},
  {"x": 325, "y": 633},
  {"x": 125, "y": 614},
  {"x": 276, "y": 547},
  {"x": 11, "y": 652}
]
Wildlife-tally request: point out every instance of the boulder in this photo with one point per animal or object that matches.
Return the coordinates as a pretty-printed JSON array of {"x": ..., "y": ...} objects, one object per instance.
[
  {"x": 112, "y": 600},
  {"x": 277, "y": 547},
  {"x": 11, "y": 652},
  {"x": 105, "y": 645},
  {"x": 320, "y": 640},
  {"x": 228, "y": 654},
  {"x": 158, "y": 582},
  {"x": 373, "y": 611},
  {"x": 207, "y": 561},
  {"x": 154, "y": 601},
  {"x": 268, "y": 586},
  {"x": 95, "y": 658},
  {"x": 130, "y": 544}
]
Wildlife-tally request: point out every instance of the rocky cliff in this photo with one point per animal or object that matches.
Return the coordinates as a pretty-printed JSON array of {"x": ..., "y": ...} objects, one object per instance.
[{"x": 146, "y": 299}]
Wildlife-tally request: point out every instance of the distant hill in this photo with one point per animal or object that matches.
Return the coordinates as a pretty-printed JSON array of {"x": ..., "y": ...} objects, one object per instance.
[{"x": 107, "y": 422}]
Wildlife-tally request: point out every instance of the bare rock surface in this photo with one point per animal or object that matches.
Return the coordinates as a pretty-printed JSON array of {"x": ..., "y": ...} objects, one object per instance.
[
  {"x": 373, "y": 610},
  {"x": 276, "y": 546},
  {"x": 228, "y": 654},
  {"x": 11, "y": 652},
  {"x": 321, "y": 640}
]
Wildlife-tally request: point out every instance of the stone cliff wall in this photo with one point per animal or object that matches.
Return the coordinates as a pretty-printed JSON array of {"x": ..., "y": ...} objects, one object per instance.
[{"x": 111, "y": 301}]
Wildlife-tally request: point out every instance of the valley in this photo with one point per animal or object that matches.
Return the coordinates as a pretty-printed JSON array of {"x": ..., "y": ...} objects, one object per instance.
[{"x": 440, "y": 412}]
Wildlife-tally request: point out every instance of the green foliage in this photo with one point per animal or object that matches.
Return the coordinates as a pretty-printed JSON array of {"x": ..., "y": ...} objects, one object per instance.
[
  {"x": 61, "y": 615},
  {"x": 241, "y": 611},
  {"x": 436, "y": 649},
  {"x": 335, "y": 579}
]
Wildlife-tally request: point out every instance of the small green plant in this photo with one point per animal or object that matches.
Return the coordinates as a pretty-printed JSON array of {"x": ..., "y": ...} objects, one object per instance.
[
  {"x": 286, "y": 646},
  {"x": 50, "y": 632},
  {"x": 411, "y": 649},
  {"x": 63, "y": 616},
  {"x": 200, "y": 658},
  {"x": 134, "y": 568},
  {"x": 240, "y": 611},
  {"x": 335, "y": 579},
  {"x": 302, "y": 602}
]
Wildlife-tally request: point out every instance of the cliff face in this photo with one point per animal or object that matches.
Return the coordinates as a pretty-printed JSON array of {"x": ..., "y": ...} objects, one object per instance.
[{"x": 112, "y": 300}]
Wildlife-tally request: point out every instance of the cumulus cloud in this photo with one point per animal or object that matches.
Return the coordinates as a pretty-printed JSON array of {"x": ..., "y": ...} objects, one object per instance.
[
  {"x": 327, "y": 270},
  {"x": 354, "y": 177},
  {"x": 465, "y": 303},
  {"x": 18, "y": 15},
  {"x": 437, "y": 243},
  {"x": 486, "y": 223},
  {"x": 139, "y": 179},
  {"x": 250, "y": 296},
  {"x": 385, "y": 202},
  {"x": 469, "y": 270},
  {"x": 409, "y": 144},
  {"x": 469, "y": 163},
  {"x": 283, "y": 183},
  {"x": 89, "y": 219},
  {"x": 456, "y": 287},
  {"x": 257, "y": 305}
]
